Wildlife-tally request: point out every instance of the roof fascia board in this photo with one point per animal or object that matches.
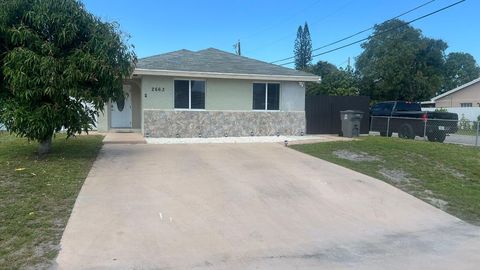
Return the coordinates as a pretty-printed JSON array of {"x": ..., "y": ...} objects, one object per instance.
[{"x": 197, "y": 74}]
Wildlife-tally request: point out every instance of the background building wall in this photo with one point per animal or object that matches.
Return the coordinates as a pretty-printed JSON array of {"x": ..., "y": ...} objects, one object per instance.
[{"x": 470, "y": 94}]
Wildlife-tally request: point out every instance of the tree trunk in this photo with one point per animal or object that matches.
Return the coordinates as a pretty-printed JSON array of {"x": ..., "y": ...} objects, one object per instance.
[{"x": 45, "y": 146}]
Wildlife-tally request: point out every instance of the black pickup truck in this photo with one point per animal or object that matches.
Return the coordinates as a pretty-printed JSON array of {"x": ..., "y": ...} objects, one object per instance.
[{"x": 408, "y": 120}]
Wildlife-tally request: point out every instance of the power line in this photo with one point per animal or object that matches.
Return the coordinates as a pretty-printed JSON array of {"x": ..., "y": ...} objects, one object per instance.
[
  {"x": 386, "y": 31},
  {"x": 283, "y": 21},
  {"x": 310, "y": 24},
  {"x": 360, "y": 32}
]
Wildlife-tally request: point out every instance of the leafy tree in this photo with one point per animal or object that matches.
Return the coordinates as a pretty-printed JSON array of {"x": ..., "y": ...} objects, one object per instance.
[
  {"x": 460, "y": 68},
  {"x": 59, "y": 64},
  {"x": 303, "y": 48},
  {"x": 399, "y": 63},
  {"x": 335, "y": 82}
]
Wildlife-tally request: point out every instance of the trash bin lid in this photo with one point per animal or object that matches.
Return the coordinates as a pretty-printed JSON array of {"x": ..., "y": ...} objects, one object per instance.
[{"x": 351, "y": 112}]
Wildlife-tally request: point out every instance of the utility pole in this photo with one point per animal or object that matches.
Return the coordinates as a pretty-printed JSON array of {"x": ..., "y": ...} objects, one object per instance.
[
  {"x": 238, "y": 50},
  {"x": 348, "y": 66}
]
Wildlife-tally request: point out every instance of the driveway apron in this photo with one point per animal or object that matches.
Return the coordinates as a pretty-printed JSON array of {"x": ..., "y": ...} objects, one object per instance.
[{"x": 252, "y": 206}]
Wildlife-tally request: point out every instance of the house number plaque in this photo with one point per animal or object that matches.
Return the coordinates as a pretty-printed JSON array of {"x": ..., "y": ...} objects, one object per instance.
[{"x": 158, "y": 89}]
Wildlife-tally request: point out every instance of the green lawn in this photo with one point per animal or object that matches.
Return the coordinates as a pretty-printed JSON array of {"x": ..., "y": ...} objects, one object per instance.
[
  {"x": 37, "y": 196},
  {"x": 444, "y": 175}
]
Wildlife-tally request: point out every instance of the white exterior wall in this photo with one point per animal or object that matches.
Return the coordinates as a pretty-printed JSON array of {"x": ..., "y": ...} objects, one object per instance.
[{"x": 470, "y": 113}]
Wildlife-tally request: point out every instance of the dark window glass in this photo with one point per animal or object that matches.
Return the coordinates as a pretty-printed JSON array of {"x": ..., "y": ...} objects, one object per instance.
[
  {"x": 387, "y": 109},
  {"x": 121, "y": 103},
  {"x": 273, "y": 99},
  {"x": 378, "y": 108},
  {"x": 181, "y": 94},
  {"x": 382, "y": 109},
  {"x": 198, "y": 94},
  {"x": 408, "y": 106},
  {"x": 259, "y": 96}
]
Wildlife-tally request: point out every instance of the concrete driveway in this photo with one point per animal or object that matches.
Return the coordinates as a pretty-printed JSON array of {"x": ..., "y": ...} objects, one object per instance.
[{"x": 252, "y": 206}]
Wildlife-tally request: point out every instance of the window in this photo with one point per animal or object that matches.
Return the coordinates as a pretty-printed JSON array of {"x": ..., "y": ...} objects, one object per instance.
[
  {"x": 408, "y": 106},
  {"x": 259, "y": 91},
  {"x": 189, "y": 94},
  {"x": 198, "y": 95},
  {"x": 273, "y": 96},
  {"x": 182, "y": 94},
  {"x": 382, "y": 109},
  {"x": 465, "y": 104},
  {"x": 266, "y": 96}
]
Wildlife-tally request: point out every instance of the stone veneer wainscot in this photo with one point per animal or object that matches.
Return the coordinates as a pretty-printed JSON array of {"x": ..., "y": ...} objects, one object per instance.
[{"x": 187, "y": 124}]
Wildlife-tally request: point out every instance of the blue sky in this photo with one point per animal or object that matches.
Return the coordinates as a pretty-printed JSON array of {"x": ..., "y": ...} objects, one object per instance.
[{"x": 267, "y": 28}]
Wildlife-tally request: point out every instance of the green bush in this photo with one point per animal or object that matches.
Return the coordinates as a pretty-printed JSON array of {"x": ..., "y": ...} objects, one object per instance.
[
  {"x": 465, "y": 124},
  {"x": 441, "y": 110}
]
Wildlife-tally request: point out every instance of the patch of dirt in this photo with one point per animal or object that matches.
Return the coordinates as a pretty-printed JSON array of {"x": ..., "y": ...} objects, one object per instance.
[
  {"x": 439, "y": 203},
  {"x": 42, "y": 249},
  {"x": 429, "y": 192},
  {"x": 453, "y": 172},
  {"x": 355, "y": 156},
  {"x": 394, "y": 175}
]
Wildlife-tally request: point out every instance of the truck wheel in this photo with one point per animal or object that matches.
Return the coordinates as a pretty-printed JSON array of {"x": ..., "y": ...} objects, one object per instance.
[
  {"x": 384, "y": 134},
  {"x": 441, "y": 137},
  {"x": 406, "y": 132},
  {"x": 437, "y": 137}
]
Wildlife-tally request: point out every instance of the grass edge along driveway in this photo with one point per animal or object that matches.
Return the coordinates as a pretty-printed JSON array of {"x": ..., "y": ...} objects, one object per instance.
[
  {"x": 37, "y": 196},
  {"x": 444, "y": 175}
]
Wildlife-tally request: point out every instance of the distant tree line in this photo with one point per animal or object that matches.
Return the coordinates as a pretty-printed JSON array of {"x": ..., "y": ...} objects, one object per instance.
[{"x": 397, "y": 63}]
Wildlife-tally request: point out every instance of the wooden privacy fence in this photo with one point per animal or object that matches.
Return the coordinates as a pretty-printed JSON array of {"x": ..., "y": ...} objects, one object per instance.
[{"x": 323, "y": 113}]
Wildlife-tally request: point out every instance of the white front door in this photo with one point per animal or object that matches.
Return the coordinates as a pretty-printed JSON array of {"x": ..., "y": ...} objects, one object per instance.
[{"x": 122, "y": 110}]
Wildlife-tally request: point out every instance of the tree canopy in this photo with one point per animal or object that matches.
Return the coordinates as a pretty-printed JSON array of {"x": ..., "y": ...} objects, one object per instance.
[
  {"x": 303, "y": 48},
  {"x": 335, "y": 82},
  {"x": 460, "y": 68},
  {"x": 59, "y": 65},
  {"x": 399, "y": 63}
]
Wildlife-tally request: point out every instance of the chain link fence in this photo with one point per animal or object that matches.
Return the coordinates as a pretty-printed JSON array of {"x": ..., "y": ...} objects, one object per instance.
[{"x": 460, "y": 131}]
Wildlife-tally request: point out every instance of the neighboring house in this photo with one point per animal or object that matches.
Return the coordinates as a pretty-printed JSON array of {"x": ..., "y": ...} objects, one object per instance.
[
  {"x": 467, "y": 95},
  {"x": 209, "y": 93}
]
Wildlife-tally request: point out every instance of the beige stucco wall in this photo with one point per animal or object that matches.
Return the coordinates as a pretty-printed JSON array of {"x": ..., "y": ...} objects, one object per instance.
[
  {"x": 136, "y": 106},
  {"x": 156, "y": 92},
  {"x": 220, "y": 94},
  {"x": 162, "y": 99},
  {"x": 470, "y": 94},
  {"x": 292, "y": 97},
  {"x": 103, "y": 119},
  {"x": 228, "y": 95}
]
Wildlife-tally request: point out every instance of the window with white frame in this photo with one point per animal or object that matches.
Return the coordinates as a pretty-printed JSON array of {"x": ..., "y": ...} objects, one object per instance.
[
  {"x": 466, "y": 104},
  {"x": 189, "y": 94},
  {"x": 266, "y": 96}
]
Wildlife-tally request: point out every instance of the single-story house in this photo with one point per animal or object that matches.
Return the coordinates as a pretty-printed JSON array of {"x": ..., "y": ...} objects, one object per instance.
[
  {"x": 467, "y": 95},
  {"x": 209, "y": 93}
]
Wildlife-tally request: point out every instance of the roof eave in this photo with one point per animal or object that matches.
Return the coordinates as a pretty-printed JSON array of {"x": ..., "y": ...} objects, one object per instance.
[{"x": 239, "y": 76}]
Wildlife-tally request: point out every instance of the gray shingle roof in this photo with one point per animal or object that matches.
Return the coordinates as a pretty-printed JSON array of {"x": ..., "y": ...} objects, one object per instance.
[{"x": 214, "y": 60}]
